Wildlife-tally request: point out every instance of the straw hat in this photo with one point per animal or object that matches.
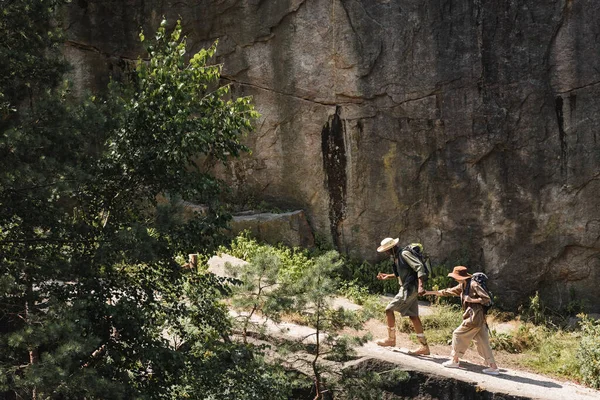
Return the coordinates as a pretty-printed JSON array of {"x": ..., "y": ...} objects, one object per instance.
[
  {"x": 459, "y": 273},
  {"x": 387, "y": 244}
]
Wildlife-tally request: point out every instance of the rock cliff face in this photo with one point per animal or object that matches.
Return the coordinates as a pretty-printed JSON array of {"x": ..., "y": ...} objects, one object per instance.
[{"x": 471, "y": 126}]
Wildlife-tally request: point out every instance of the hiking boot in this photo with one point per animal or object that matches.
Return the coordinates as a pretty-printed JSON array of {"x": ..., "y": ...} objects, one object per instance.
[
  {"x": 424, "y": 349},
  {"x": 421, "y": 351},
  {"x": 390, "y": 341}
]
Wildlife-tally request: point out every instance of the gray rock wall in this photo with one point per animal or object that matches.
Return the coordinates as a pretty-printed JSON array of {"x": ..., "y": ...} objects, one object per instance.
[{"x": 469, "y": 125}]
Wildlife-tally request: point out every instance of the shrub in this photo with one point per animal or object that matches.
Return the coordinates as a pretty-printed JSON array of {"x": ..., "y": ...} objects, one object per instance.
[
  {"x": 439, "y": 278},
  {"x": 553, "y": 352},
  {"x": 538, "y": 313},
  {"x": 503, "y": 341},
  {"x": 243, "y": 246},
  {"x": 438, "y": 326},
  {"x": 576, "y": 305},
  {"x": 364, "y": 274},
  {"x": 588, "y": 353},
  {"x": 353, "y": 291},
  {"x": 293, "y": 260},
  {"x": 527, "y": 337},
  {"x": 372, "y": 306}
]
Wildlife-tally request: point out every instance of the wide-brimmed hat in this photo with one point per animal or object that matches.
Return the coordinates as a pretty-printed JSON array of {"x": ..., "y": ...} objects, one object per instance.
[
  {"x": 459, "y": 273},
  {"x": 387, "y": 244}
]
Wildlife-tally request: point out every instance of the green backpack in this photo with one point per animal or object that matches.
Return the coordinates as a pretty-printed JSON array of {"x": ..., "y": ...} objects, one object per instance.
[{"x": 416, "y": 249}]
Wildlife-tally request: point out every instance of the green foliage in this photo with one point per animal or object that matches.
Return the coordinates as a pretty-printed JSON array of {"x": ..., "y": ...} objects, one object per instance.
[
  {"x": 280, "y": 280},
  {"x": 575, "y": 306},
  {"x": 323, "y": 243},
  {"x": 554, "y": 352},
  {"x": 547, "y": 346},
  {"x": 314, "y": 290},
  {"x": 438, "y": 326},
  {"x": 549, "y": 350},
  {"x": 294, "y": 261},
  {"x": 293, "y": 264},
  {"x": 372, "y": 306},
  {"x": 527, "y": 337},
  {"x": 362, "y": 384},
  {"x": 364, "y": 273},
  {"x": 259, "y": 293},
  {"x": 93, "y": 303},
  {"x": 588, "y": 352},
  {"x": 538, "y": 313},
  {"x": 173, "y": 111},
  {"x": 30, "y": 60},
  {"x": 353, "y": 291},
  {"x": 244, "y": 247},
  {"x": 233, "y": 373},
  {"x": 439, "y": 280},
  {"x": 503, "y": 341}
]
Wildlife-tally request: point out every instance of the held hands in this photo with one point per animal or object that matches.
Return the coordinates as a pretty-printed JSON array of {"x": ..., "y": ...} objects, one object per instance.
[{"x": 382, "y": 277}]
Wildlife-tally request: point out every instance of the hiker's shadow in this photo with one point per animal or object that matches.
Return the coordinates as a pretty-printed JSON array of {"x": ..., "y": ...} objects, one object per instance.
[
  {"x": 467, "y": 366},
  {"x": 528, "y": 381}
]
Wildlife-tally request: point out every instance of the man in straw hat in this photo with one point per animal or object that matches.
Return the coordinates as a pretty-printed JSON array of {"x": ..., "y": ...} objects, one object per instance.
[
  {"x": 474, "y": 326},
  {"x": 410, "y": 273}
]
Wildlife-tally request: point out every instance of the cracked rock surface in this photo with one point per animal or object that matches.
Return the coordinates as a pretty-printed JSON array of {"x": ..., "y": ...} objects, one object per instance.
[{"x": 470, "y": 126}]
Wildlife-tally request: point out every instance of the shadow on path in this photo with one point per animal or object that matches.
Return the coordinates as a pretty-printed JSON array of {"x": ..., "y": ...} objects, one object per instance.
[
  {"x": 476, "y": 368},
  {"x": 527, "y": 381}
]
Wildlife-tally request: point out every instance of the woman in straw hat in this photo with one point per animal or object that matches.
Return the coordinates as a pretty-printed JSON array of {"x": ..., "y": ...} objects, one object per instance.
[
  {"x": 410, "y": 272},
  {"x": 474, "y": 326}
]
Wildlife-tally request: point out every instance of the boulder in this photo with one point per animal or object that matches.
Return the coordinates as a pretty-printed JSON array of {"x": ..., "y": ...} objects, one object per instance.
[{"x": 290, "y": 228}]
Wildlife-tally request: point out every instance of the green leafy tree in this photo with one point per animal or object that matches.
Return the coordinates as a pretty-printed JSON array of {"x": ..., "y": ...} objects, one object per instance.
[
  {"x": 277, "y": 282},
  {"x": 259, "y": 296},
  {"x": 360, "y": 383},
  {"x": 29, "y": 58},
  {"x": 314, "y": 291},
  {"x": 92, "y": 302}
]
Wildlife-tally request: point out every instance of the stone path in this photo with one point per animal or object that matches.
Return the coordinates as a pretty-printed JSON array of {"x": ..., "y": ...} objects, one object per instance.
[{"x": 509, "y": 382}]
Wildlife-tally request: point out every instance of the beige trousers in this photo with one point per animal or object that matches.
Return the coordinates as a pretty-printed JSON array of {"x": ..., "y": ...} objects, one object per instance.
[{"x": 462, "y": 336}]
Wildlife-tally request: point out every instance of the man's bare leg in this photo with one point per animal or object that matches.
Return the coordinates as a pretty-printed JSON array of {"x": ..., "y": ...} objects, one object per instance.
[
  {"x": 424, "y": 349},
  {"x": 416, "y": 321}
]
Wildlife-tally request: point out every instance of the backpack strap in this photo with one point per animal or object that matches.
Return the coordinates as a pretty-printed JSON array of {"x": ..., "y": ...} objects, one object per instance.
[
  {"x": 465, "y": 292},
  {"x": 397, "y": 260},
  {"x": 412, "y": 277}
]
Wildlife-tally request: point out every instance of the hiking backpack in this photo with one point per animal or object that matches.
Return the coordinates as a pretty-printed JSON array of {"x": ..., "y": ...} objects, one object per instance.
[
  {"x": 481, "y": 279},
  {"x": 416, "y": 249}
]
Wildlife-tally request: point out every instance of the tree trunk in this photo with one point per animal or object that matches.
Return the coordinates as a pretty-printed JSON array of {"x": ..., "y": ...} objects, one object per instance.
[
  {"x": 193, "y": 261},
  {"x": 34, "y": 355}
]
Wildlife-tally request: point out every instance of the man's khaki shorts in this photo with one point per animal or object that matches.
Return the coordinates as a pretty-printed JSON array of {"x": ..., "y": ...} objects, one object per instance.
[{"x": 405, "y": 302}]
